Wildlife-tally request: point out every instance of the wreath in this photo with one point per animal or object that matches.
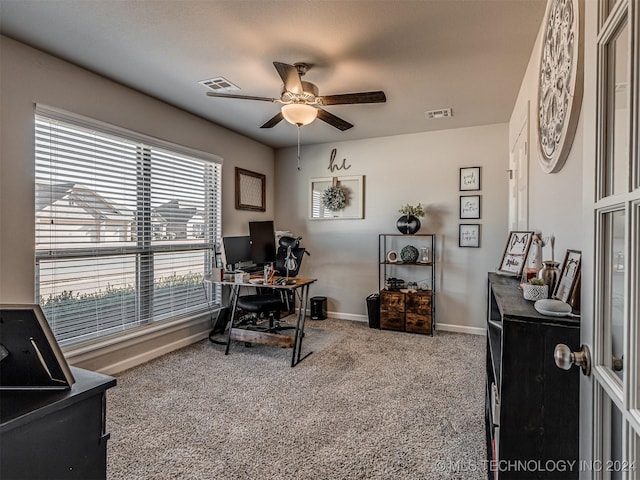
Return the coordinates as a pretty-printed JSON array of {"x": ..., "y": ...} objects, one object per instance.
[{"x": 334, "y": 198}]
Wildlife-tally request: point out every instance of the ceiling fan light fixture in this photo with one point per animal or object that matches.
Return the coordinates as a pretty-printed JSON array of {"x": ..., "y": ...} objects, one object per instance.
[{"x": 299, "y": 113}]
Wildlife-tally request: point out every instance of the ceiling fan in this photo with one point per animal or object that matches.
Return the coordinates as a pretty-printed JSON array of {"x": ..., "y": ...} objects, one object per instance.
[{"x": 301, "y": 102}]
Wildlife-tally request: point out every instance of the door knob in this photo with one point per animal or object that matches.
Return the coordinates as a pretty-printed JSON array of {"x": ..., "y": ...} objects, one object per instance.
[
  {"x": 617, "y": 364},
  {"x": 564, "y": 358}
]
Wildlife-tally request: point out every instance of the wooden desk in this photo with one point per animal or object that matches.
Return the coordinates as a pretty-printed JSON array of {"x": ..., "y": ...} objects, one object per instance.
[{"x": 301, "y": 291}]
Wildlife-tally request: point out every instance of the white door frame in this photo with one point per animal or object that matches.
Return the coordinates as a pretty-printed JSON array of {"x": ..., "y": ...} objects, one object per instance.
[
  {"x": 605, "y": 393},
  {"x": 519, "y": 177}
]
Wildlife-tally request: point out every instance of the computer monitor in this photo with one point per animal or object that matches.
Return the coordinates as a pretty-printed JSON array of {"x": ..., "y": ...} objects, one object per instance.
[
  {"x": 237, "y": 251},
  {"x": 263, "y": 242}
]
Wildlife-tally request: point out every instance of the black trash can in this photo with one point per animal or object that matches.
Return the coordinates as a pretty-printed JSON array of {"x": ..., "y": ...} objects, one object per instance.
[
  {"x": 373, "y": 308},
  {"x": 318, "y": 308}
]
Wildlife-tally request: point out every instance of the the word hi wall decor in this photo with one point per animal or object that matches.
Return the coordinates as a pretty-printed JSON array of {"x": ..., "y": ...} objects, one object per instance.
[{"x": 333, "y": 166}]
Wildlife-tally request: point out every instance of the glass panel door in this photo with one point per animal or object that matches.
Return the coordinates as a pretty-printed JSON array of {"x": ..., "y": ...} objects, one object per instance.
[
  {"x": 616, "y": 455},
  {"x": 616, "y": 326},
  {"x": 616, "y": 153},
  {"x": 613, "y": 293}
]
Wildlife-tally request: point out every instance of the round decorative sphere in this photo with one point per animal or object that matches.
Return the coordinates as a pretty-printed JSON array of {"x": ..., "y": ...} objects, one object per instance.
[
  {"x": 408, "y": 224},
  {"x": 409, "y": 254}
]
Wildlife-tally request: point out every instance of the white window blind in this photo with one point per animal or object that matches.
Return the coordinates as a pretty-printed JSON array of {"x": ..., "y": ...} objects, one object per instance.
[{"x": 126, "y": 227}]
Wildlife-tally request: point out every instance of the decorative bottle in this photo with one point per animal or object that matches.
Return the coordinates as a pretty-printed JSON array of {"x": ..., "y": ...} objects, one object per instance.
[{"x": 549, "y": 273}]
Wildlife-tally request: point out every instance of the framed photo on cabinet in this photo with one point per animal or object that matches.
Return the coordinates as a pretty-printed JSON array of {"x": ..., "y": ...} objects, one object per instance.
[
  {"x": 469, "y": 178},
  {"x": 31, "y": 357},
  {"x": 515, "y": 253},
  {"x": 470, "y": 206},
  {"x": 469, "y": 235},
  {"x": 569, "y": 275}
]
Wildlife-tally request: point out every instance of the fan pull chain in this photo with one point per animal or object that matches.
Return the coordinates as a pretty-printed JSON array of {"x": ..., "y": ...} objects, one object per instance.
[{"x": 298, "y": 125}]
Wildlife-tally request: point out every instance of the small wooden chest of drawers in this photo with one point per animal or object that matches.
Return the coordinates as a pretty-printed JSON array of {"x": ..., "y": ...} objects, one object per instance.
[
  {"x": 406, "y": 312},
  {"x": 418, "y": 312},
  {"x": 392, "y": 309}
]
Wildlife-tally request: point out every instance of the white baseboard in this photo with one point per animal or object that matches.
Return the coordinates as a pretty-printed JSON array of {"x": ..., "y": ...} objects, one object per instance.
[
  {"x": 348, "y": 316},
  {"x": 460, "y": 329},
  {"x": 439, "y": 326}
]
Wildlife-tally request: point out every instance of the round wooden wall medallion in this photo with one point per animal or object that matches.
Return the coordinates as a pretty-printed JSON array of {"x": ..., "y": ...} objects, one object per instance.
[{"x": 560, "y": 82}]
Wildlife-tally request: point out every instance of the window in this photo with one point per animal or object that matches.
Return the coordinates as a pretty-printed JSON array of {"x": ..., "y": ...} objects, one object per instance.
[{"x": 126, "y": 227}]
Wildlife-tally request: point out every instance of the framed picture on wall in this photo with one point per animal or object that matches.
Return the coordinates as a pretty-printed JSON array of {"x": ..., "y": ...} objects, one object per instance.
[
  {"x": 250, "y": 190},
  {"x": 469, "y": 235},
  {"x": 352, "y": 187},
  {"x": 515, "y": 253},
  {"x": 469, "y": 206},
  {"x": 469, "y": 178}
]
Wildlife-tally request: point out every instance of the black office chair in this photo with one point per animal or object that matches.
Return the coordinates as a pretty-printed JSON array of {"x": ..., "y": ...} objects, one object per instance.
[
  {"x": 288, "y": 261},
  {"x": 289, "y": 258},
  {"x": 266, "y": 304},
  {"x": 263, "y": 306}
]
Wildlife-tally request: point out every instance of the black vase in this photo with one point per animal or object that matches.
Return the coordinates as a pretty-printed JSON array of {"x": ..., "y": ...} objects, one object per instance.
[{"x": 408, "y": 224}]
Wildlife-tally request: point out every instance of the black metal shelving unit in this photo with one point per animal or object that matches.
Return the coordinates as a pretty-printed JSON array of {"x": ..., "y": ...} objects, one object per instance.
[{"x": 413, "y": 271}]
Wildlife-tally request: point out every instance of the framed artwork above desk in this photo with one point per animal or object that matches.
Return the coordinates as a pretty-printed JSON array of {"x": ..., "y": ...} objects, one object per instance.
[{"x": 250, "y": 190}]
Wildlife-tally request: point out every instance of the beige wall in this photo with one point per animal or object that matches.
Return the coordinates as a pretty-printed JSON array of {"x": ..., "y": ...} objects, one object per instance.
[
  {"x": 555, "y": 200},
  {"x": 398, "y": 170},
  {"x": 563, "y": 202},
  {"x": 402, "y": 169},
  {"x": 28, "y": 76}
]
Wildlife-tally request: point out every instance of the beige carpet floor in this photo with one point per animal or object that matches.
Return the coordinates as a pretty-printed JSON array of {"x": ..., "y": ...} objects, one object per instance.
[{"x": 367, "y": 404}]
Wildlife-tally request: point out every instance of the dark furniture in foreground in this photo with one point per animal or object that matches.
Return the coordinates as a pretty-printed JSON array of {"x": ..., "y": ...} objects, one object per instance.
[
  {"x": 56, "y": 434},
  {"x": 532, "y": 406}
]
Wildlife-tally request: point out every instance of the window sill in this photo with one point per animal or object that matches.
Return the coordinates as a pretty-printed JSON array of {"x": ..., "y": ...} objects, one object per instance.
[{"x": 133, "y": 347}]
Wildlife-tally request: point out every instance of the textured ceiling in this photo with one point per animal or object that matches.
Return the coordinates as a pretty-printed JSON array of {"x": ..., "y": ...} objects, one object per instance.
[{"x": 469, "y": 55}]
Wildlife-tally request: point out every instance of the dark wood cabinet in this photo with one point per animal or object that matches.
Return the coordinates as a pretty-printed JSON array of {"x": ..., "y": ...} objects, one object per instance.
[
  {"x": 418, "y": 312},
  {"x": 392, "y": 310},
  {"x": 402, "y": 308},
  {"x": 406, "y": 311},
  {"x": 56, "y": 434},
  {"x": 532, "y": 406}
]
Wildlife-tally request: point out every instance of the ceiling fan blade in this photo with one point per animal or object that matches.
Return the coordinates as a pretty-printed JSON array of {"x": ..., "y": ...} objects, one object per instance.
[
  {"x": 243, "y": 97},
  {"x": 350, "y": 98},
  {"x": 290, "y": 77},
  {"x": 273, "y": 121},
  {"x": 334, "y": 121}
]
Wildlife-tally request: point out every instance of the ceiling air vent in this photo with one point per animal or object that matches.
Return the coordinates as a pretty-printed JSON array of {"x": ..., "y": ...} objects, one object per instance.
[
  {"x": 441, "y": 113},
  {"x": 219, "y": 84}
]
